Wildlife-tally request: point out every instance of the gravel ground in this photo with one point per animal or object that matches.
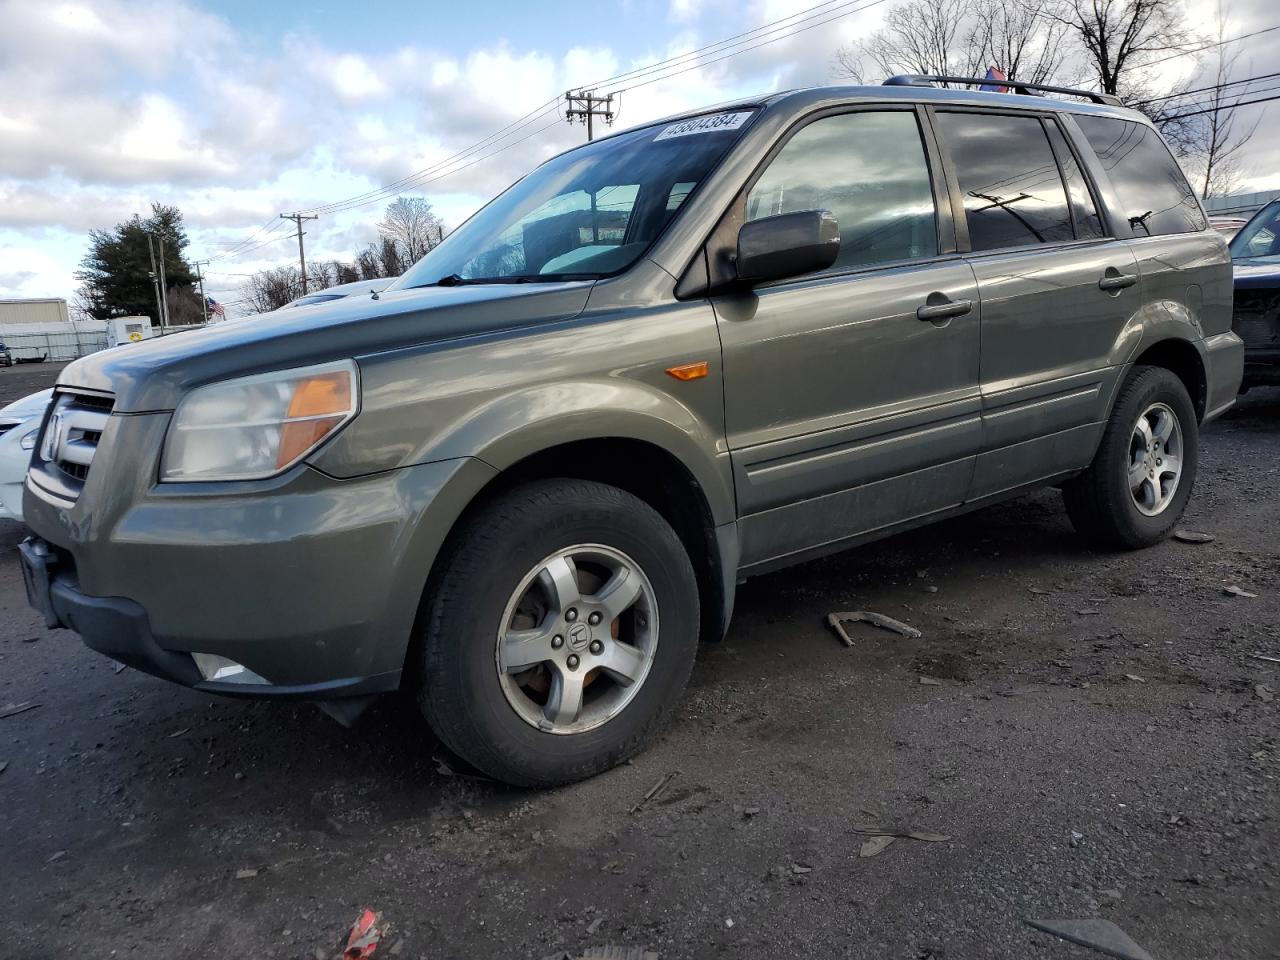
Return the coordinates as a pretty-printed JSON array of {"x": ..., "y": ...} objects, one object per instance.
[{"x": 1092, "y": 731}]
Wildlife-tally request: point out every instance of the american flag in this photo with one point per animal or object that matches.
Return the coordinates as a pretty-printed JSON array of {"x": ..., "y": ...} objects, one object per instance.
[
  {"x": 994, "y": 73},
  {"x": 215, "y": 307}
]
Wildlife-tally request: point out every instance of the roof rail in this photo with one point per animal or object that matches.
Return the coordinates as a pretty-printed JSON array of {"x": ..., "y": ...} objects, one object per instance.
[{"x": 1029, "y": 89}]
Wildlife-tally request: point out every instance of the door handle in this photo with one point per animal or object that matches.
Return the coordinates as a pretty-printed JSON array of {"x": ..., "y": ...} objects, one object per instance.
[
  {"x": 1114, "y": 280},
  {"x": 939, "y": 307}
]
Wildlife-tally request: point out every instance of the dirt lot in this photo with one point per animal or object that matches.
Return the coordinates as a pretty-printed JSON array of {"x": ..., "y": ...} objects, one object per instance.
[{"x": 1094, "y": 733}]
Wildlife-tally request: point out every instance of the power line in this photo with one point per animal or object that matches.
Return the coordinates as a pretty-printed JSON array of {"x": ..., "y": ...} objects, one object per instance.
[
  {"x": 1200, "y": 113},
  {"x": 1212, "y": 86},
  {"x": 1207, "y": 46}
]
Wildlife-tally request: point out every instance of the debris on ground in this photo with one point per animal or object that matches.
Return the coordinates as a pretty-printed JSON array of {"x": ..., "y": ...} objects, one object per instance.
[
  {"x": 178, "y": 733},
  {"x": 836, "y": 622},
  {"x": 654, "y": 792},
  {"x": 247, "y": 873},
  {"x": 31, "y": 640},
  {"x": 907, "y": 833},
  {"x": 1101, "y": 935},
  {"x": 1234, "y": 591},
  {"x": 1076, "y": 837},
  {"x": 875, "y": 846},
  {"x": 121, "y": 667},
  {"x": 13, "y": 709},
  {"x": 801, "y": 868},
  {"x": 607, "y": 952},
  {"x": 1263, "y": 656},
  {"x": 56, "y": 857},
  {"x": 1264, "y": 693},
  {"x": 930, "y": 682},
  {"x": 366, "y": 933},
  {"x": 1193, "y": 536},
  {"x": 594, "y": 925},
  {"x": 1134, "y": 677},
  {"x": 1039, "y": 591},
  {"x": 1088, "y": 612}
]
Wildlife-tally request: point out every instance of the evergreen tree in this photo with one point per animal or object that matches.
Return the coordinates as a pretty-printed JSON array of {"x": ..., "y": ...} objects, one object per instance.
[{"x": 116, "y": 272}]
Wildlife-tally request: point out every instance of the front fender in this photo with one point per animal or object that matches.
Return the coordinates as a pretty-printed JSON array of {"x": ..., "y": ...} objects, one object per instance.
[{"x": 518, "y": 425}]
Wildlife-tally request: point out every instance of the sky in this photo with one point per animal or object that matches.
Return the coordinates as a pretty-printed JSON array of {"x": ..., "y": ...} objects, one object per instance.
[{"x": 239, "y": 110}]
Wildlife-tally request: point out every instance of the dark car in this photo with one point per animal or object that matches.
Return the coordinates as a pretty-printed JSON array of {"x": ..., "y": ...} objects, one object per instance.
[{"x": 1255, "y": 254}]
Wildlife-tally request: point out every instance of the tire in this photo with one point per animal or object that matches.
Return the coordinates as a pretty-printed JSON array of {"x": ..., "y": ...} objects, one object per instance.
[
  {"x": 480, "y": 700},
  {"x": 1102, "y": 503}
]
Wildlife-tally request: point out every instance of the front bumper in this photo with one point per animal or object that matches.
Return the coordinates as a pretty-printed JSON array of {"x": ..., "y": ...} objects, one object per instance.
[{"x": 309, "y": 582}]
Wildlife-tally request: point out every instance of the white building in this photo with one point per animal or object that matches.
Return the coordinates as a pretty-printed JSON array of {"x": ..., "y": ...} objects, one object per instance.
[{"x": 49, "y": 310}]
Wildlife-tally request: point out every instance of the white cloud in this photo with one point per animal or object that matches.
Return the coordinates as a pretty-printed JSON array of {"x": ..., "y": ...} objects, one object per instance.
[{"x": 112, "y": 104}]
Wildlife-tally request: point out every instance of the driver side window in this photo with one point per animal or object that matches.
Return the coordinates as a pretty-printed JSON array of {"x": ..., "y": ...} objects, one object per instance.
[{"x": 869, "y": 170}]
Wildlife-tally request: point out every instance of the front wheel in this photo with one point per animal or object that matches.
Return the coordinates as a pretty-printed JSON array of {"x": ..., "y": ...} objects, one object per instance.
[
  {"x": 1138, "y": 485},
  {"x": 561, "y": 633}
]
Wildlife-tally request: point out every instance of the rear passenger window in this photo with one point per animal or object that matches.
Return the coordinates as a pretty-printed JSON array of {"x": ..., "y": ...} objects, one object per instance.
[
  {"x": 1013, "y": 192},
  {"x": 1152, "y": 189},
  {"x": 869, "y": 170},
  {"x": 1084, "y": 213}
]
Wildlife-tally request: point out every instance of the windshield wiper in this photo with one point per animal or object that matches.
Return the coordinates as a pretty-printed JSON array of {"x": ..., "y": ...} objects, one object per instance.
[{"x": 456, "y": 280}]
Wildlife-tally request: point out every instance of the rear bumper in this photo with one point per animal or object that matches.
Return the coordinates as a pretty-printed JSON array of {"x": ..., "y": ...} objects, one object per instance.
[{"x": 1224, "y": 367}]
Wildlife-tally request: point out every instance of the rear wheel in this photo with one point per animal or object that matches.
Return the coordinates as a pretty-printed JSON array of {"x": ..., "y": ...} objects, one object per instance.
[
  {"x": 1138, "y": 485},
  {"x": 561, "y": 633}
]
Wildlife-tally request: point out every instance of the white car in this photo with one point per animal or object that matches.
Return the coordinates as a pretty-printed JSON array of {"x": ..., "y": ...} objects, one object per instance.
[{"x": 19, "y": 425}]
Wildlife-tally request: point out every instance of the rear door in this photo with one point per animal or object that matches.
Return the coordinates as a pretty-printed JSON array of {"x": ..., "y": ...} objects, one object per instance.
[
  {"x": 1056, "y": 292},
  {"x": 845, "y": 411}
]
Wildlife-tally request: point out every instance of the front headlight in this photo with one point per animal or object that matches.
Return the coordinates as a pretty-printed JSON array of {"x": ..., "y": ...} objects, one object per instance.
[
  {"x": 29, "y": 441},
  {"x": 259, "y": 426}
]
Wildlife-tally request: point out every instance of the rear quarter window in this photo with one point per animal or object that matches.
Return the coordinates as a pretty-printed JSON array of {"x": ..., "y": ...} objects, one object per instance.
[{"x": 1153, "y": 191}]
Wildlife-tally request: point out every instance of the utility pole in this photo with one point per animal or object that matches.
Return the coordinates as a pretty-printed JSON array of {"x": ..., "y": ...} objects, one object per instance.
[
  {"x": 584, "y": 105},
  {"x": 297, "y": 218},
  {"x": 155, "y": 280},
  {"x": 164, "y": 289},
  {"x": 204, "y": 302}
]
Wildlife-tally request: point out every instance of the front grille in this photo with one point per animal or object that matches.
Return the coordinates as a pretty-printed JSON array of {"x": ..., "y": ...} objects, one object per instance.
[{"x": 71, "y": 436}]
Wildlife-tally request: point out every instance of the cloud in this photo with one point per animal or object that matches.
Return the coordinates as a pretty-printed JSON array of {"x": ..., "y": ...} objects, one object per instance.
[{"x": 112, "y": 104}]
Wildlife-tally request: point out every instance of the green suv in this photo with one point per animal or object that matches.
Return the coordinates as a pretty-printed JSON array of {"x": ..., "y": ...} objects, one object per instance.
[{"x": 523, "y": 481}]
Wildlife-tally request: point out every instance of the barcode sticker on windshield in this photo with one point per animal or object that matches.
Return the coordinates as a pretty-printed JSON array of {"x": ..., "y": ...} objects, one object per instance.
[{"x": 711, "y": 124}]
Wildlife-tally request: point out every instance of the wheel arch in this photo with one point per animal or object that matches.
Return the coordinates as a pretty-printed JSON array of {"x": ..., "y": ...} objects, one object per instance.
[{"x": 1181, "y": 358}]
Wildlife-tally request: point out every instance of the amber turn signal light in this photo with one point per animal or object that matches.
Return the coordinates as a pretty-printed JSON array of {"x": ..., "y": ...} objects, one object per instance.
[{"x": 689, "y": 371}]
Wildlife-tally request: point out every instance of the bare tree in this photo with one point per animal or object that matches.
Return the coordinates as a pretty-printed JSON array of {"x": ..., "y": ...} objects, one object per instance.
[
  {"x": 919, "y": 36},
  {"x": 269, "y": 290},
  {"x": 959, "y": 37},
  {"x": 1210, "y": 138},
  {"x": 1020, "y": 42},
  {"x": 412, "y": 226},
  {"x": 1118, "y": 37}
]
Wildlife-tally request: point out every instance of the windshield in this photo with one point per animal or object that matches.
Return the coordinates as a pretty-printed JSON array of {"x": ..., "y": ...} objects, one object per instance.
[
  {"x": 586, "y": 214},
  {"x": 1260, "y": 236}
]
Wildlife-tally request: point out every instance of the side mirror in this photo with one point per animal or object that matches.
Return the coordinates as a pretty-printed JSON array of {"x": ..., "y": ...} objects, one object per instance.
[{"x": 787, "y": 245}]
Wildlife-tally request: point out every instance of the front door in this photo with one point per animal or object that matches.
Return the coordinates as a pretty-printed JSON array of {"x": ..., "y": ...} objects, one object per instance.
[{"x": 851, "y": 396}]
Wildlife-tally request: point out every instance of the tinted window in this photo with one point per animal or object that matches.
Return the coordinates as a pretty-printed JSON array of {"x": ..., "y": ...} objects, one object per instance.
[
  {"x": 1013, "y": 193},
  {"x": 1084, "y": 213},
  {"x": 1154, "y": 194},
  {"x": 869, "y": 170}
]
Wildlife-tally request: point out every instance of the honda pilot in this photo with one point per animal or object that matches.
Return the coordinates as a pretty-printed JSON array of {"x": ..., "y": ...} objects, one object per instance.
[{"x": 522, "y": 482}]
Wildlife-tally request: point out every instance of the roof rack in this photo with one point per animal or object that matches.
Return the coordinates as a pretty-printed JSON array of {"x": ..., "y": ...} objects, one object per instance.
[{"x": 1028, "y": 89}]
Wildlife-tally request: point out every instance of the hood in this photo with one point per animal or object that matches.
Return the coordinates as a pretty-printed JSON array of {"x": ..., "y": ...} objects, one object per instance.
[
  {"x": 1256, "y": 272},
  {"x": 27, "y": 407},
  {"x": 154, "y": 375}
]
